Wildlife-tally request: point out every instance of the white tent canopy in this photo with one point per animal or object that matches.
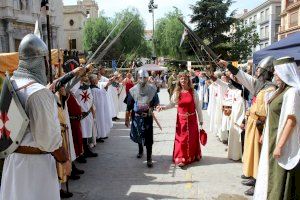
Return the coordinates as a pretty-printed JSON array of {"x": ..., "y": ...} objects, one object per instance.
[{"x": 152, "y": 67}]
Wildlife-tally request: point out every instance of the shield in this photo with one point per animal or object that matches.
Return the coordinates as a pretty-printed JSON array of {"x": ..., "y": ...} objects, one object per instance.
[
  {"x": 13, "y": 119},
  {"x": 70, "y": 63}
]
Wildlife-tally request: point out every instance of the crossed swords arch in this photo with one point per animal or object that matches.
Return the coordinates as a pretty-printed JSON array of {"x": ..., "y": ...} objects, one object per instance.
[{"x": 198, "y": 46}]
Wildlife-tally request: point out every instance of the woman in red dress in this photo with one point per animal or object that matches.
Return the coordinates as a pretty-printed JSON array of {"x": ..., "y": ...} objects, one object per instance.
[
  {"x": 187, "y": 144},
  {"x": 128, "y": 82}
]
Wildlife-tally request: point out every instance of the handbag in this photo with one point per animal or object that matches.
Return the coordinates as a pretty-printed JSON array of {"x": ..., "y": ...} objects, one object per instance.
[{"x": 203, "y": 137}]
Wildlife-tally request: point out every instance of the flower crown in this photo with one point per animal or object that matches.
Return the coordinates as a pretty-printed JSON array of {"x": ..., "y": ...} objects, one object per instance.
[{"x": 184, "y": 73}]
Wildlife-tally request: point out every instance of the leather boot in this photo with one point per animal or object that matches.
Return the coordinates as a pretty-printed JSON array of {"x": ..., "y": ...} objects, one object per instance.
[
  {"x": 149, "y": 156},
  {"x": 250, "y": 191},
  {"x": 76, "y": 170},
  {"x": 87, "y": 151},
  {"x": 65, "y": 194},
  {"x": 81, "y": 159},
  {"x": 249, "y": 182},
  {"x": 141, "y": 149}
]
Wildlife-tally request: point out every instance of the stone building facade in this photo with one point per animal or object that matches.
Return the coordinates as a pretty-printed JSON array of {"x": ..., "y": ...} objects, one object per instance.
[
  {"x": 290, "y": 18},
  {"x": 266, "y": 18},
  {"x": 75, "y": 17},
  {"x": 18, "y": 17}
]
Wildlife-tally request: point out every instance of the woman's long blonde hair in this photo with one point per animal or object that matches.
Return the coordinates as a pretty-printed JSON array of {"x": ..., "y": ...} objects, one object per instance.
[{"x": 178, "y": 88}]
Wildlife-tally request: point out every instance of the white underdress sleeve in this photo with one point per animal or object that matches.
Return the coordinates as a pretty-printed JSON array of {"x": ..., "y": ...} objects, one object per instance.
[
  {"x": 44, "y": 123},
  {"x": 290, "y": 154},
  {"x": 198, "y": 107},
  {"x": 246, "y": 80}
]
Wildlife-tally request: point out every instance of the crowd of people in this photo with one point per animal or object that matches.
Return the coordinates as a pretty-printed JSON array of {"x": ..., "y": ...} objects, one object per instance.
[
  {"x": 256, "y": 116},
  {"x": 65, "y": 123}
]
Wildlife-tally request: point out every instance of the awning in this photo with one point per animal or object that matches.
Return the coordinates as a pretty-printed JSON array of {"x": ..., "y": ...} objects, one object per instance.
[{"x": 152, "y": 67}]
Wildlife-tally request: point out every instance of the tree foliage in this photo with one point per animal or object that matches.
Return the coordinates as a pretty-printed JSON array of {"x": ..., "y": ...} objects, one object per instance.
[
  {"x": 130, "y": 42},
  {"x": 95, "y": 31},
  {"x": 242, "y": 41},
  {"x": 212, "y": 21},
  {"x": 167, "y": 35}
]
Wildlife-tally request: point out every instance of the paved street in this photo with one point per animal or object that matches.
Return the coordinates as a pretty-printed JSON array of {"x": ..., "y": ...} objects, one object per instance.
[{"x": 118, "y": 174}]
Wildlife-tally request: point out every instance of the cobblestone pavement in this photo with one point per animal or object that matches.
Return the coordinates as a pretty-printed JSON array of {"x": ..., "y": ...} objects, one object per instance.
[{"x": 117, "y": 174}]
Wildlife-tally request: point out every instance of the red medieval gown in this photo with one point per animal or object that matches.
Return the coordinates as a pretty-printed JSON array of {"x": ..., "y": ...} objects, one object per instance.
[
  {"x": 187, "y": 144},
  {"x": 75, "y": 112}
]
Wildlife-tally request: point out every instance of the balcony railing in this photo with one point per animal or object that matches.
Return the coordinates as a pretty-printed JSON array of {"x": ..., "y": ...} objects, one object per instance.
[{"x": 291, "y": 2}]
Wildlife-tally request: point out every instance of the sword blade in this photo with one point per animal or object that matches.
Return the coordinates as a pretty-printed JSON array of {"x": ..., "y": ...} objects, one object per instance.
[
  {"x": 101, "y": 45},
  {"x": 104, "y": 52},
  {"x": 156, "y": 121},
  {"x": 197, "y": 38}
]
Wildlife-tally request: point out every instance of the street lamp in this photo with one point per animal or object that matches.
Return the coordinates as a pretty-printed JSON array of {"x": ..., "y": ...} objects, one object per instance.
[{"x": 151, "y": 8}]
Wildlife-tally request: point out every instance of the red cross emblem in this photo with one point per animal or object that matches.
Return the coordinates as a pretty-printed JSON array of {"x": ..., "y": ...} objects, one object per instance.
[
  {"x": 3, "y": 130},
  {"x": 72, "y": 66},
  {"x": 254, "y": 100},
  {"x": 85, "y": 96}
]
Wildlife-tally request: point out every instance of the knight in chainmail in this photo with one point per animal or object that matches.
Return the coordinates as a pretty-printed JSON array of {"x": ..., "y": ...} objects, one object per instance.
[
  {"x": 34, "y": 161},
  {"x": 141, "y": 101},
  {"x": 259, "y": 86}
]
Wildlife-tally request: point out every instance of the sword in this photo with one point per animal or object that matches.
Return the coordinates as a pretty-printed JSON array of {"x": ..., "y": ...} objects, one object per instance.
[
  {"x": 156, "y": 121},
  {"x": 208, "y": 50},
  {"x": 104, "y": 52},
  {"x": 101, "y": 45}
]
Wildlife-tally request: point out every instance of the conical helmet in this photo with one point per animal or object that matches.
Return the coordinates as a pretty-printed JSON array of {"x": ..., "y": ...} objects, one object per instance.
[
  {"x": 267, "y": 64},
  {"x": 143, "y": 73},
  {"x": 32, "y": 46}
]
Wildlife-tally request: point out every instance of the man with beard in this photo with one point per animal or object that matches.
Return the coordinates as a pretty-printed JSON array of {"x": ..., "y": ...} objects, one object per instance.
[
  {"x": 141, "y": 101},
  {"x": 30, "y": 172},
  {"x": 84, "y": 97},
  {"x": 259, "y": 87}
]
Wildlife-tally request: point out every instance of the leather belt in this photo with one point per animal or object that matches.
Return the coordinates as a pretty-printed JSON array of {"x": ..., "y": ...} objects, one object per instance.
[
  {"x": 85, "y": 114},
  {"x": 80, "y": 117},
  {"x": 143, "y": 114},
  {"x": 186, "y": 114},
  {"x": 257, "y": 117},
  {"x": 29, "y": 150}
]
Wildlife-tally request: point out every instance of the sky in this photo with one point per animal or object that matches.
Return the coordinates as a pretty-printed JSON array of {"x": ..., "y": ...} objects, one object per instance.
[{"x": 110, "y": 7}]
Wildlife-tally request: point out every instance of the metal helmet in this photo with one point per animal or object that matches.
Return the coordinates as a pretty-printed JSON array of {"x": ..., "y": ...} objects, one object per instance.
[
  {"x": 267, "y": 64},
  {"x": 32, "y": 46},
  {"x": 143, "y": 73}
]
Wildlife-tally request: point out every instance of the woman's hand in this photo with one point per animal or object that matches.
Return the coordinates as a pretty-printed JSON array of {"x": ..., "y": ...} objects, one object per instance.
[
  {"x": 277, "y": 152},
  {"x": 223, "y": 63},
  {"x": 160, "y": 108},
  {"x": 261, "y": 139}
]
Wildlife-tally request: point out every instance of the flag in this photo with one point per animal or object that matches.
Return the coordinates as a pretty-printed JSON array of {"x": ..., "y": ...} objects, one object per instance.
[
  {"x": 37, "y": 31},
  {"x": 114, "y": 65},
  {"x": 184, "y": 34}
]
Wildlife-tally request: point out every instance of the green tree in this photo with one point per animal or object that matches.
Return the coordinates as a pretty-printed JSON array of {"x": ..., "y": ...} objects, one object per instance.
[
  {"x": 133, "y": 39},
  {"x": 168, "y": 34},
  {"x": 212, "y": 21},
  {"x": 94, "y": 32},
  {"x": 242, "y": 41}
]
